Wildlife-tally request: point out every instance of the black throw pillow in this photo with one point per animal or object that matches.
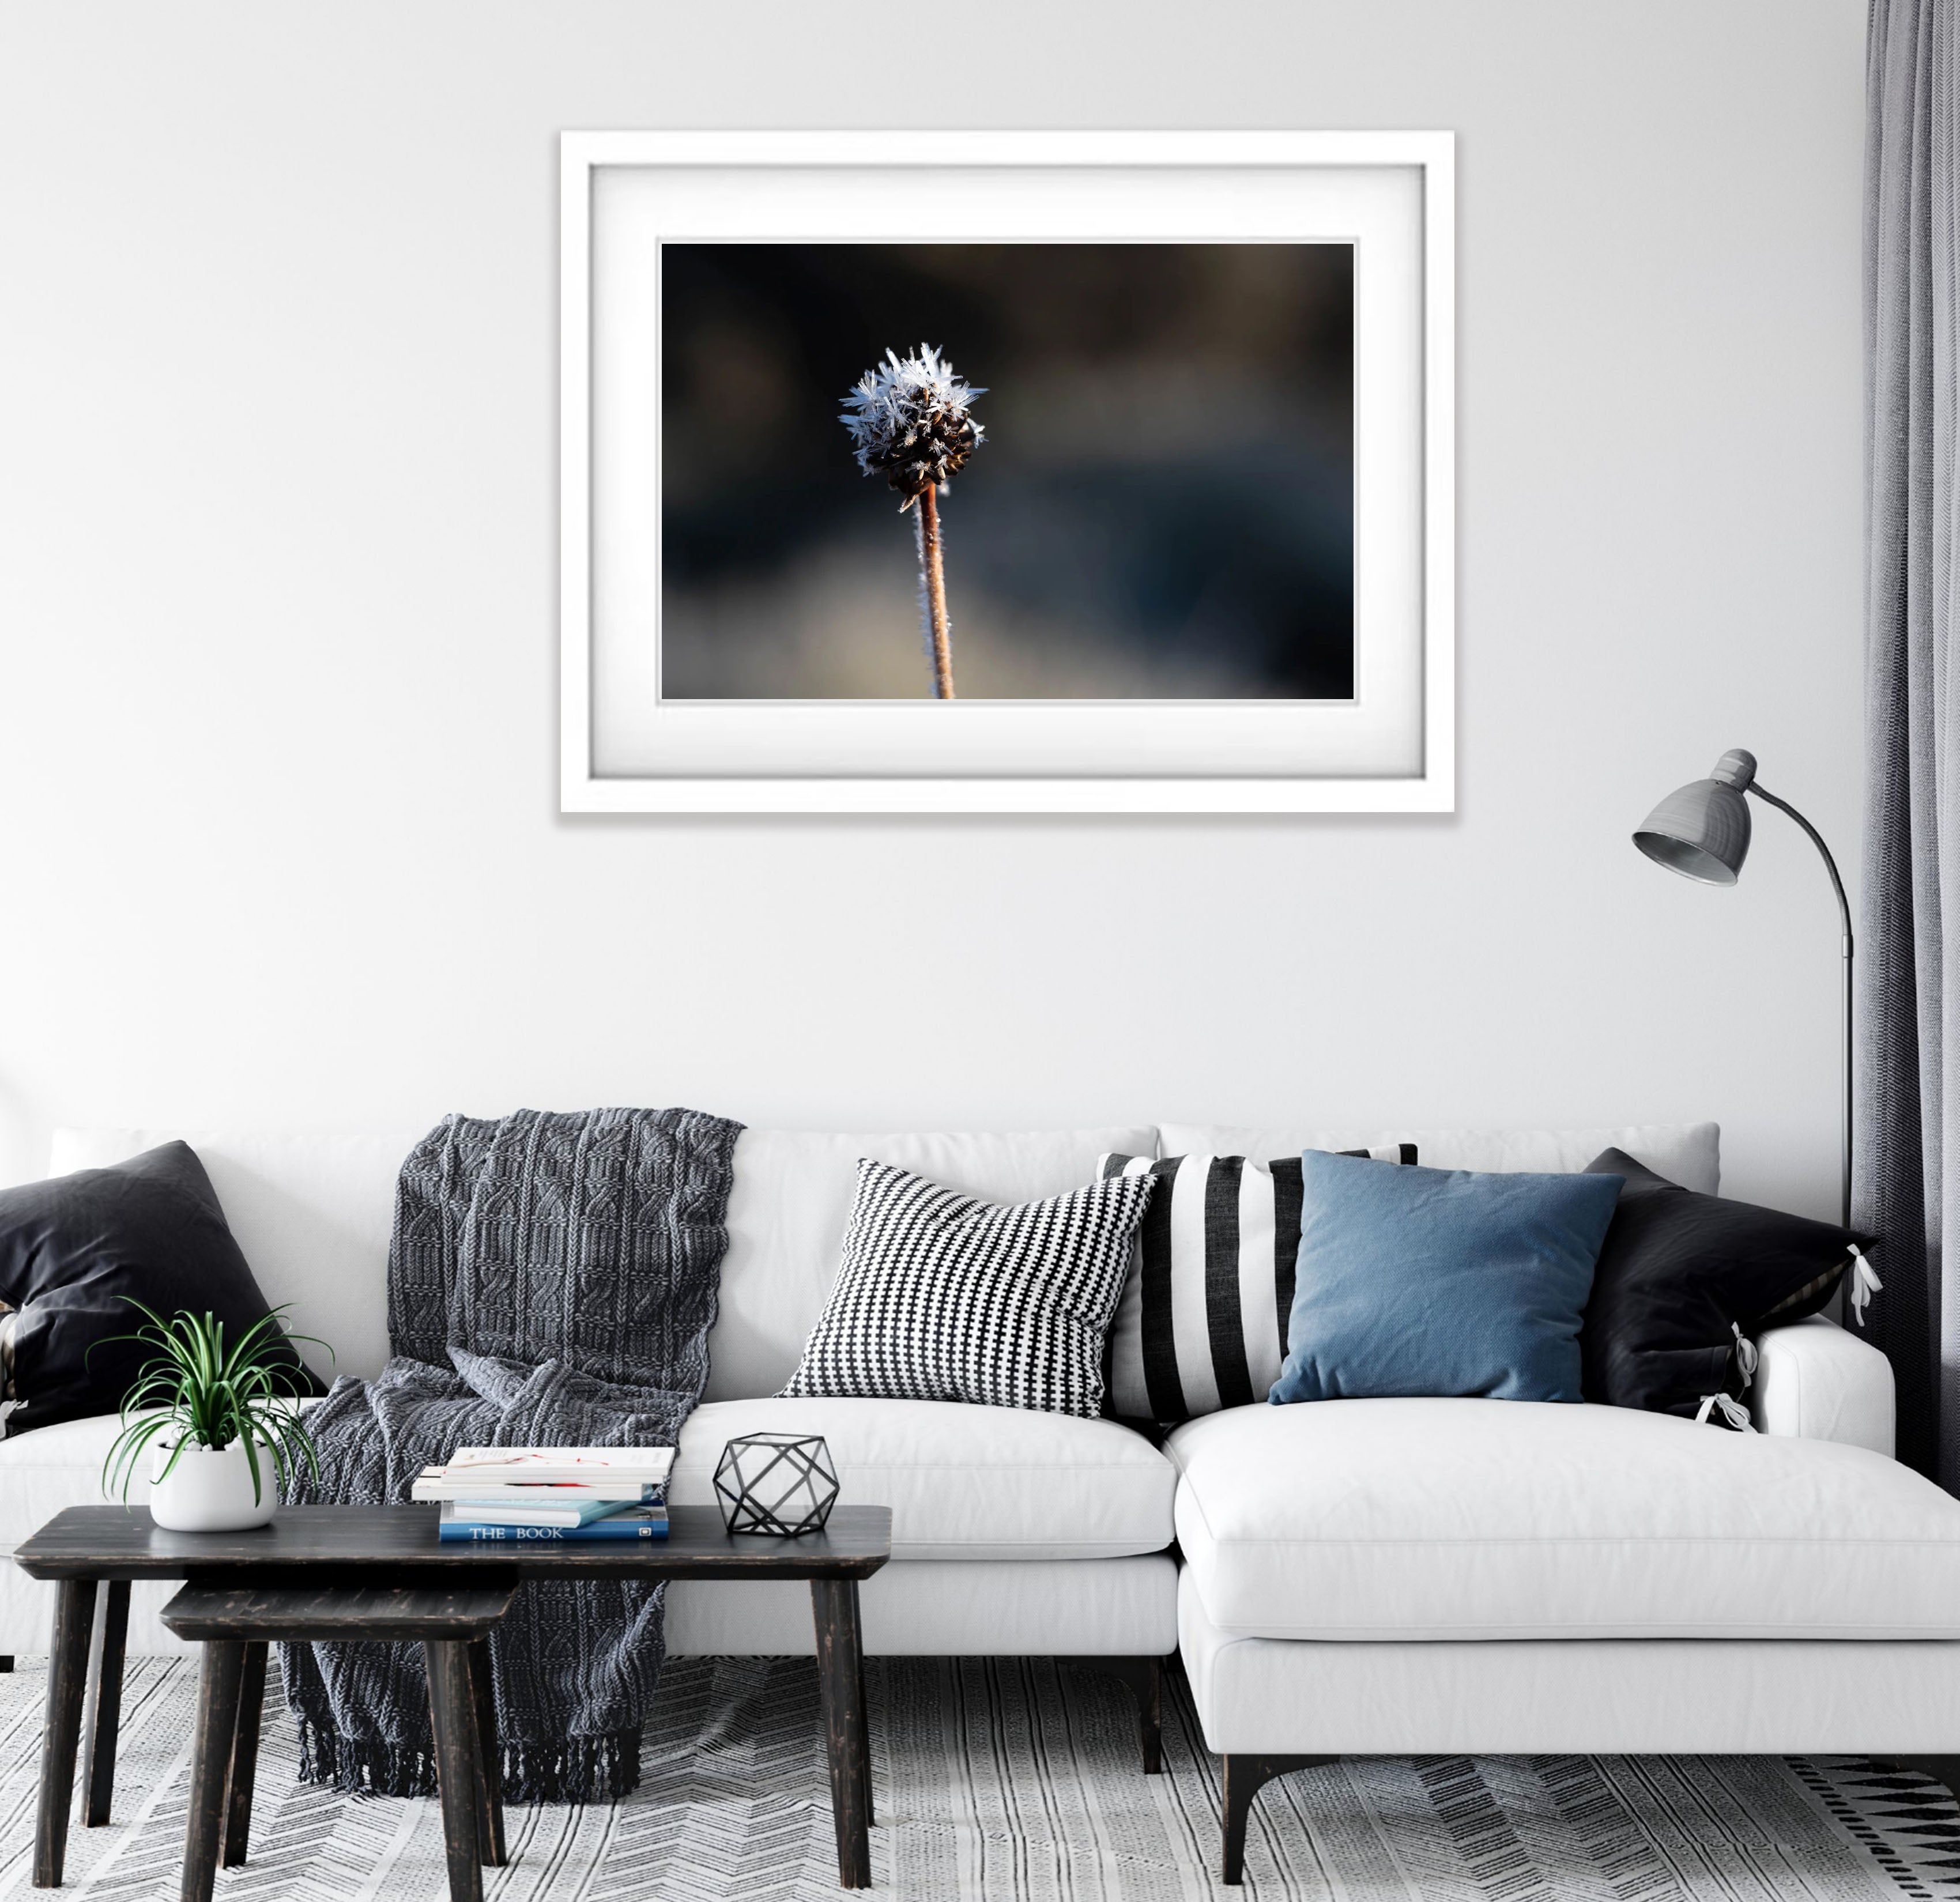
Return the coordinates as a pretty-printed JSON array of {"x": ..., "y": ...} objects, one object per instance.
[
  {"x": 1681, "y": 1274},
  {"x": 73, "y": 1247}
]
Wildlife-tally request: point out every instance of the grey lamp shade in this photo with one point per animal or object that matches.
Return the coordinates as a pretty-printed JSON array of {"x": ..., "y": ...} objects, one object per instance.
[{"x": 1702, "y": 831}]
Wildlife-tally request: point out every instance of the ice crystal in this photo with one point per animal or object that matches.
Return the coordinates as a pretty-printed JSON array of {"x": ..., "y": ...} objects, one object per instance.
[{"x": 909, "y": 422}]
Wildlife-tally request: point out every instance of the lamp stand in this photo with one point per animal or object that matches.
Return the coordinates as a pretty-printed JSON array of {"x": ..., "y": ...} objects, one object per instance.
[{"x": 1844, "y": 916}]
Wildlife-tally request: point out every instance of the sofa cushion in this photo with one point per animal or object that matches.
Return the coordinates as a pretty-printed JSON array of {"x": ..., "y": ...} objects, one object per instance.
[
  {"x": 45, "y": 1471},
  {"x": 976, "y": 1483},
  {"x": 312, "y": 1210},
  {"x": 1452, "y": 1519},
  {"x": 1201, "y": 1321},
  {"x": 1685, "y": 1153},
  {"x": 91, "y": 1259},
  {"x": 791, "y": 1201},
  {"x": 1683, "y": 1277},
  {"x": 962, "y": 1482},
  {"x": 1440, "y": 1281},
  {"x": 943, "y": 1296}
]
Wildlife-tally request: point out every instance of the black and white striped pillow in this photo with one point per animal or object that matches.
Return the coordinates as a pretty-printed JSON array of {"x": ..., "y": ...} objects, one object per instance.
[
  {"x": 942, "y": 1296},
  {"x": 1201, "y": 1322}
]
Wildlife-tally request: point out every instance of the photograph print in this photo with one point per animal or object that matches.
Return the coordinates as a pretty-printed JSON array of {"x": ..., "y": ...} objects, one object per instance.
[{"x": 1034, "y": 471}]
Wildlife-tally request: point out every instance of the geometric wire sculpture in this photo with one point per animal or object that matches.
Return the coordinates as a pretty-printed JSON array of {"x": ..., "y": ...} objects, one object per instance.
[{"x": 780, "y": 1484}]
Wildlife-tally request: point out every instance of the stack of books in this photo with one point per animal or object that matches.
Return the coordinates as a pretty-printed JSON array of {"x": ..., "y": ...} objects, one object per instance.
[{"x": 494, "y": 1493}]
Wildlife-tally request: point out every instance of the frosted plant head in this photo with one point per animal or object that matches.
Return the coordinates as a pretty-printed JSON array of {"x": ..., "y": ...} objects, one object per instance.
[{"x": 910, "y": 422}]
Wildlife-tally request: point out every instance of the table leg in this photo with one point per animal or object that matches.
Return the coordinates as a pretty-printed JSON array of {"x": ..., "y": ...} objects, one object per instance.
[
  {"x": 68, "y": 1678},
  {"x": 453, "y": 1712},
  {"x": 864, "y": 1740},
  {"x": 218, "y": 1696},
  {"x": 104, "y": 1702},
  {"x": 840, "y": 1667},
  {"x": 489, "y": 1759},
  {"x": 242, "y": 1766}
]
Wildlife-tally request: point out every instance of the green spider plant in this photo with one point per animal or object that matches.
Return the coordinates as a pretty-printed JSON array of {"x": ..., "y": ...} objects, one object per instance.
[{"x": 199, "y": 1391}]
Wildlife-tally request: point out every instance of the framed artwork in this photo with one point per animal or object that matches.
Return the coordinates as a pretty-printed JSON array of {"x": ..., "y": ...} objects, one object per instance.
[{"x": 1007, "y": 472}]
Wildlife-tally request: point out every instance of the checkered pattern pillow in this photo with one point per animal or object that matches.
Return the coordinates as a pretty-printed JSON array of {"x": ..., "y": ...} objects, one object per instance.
[{"x": 944, "y": 1297}]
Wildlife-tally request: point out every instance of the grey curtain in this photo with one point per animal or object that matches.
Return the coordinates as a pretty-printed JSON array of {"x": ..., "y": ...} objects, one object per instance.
[{"x": 1909, "y": 1066}]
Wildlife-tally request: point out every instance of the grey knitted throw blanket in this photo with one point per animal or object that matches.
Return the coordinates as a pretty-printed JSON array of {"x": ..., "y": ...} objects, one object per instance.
[{"x": 551, "y": 1279}]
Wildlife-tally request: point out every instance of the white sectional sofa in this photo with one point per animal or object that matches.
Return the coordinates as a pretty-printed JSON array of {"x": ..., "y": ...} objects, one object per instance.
[{"x": 1352, "y": 1577}]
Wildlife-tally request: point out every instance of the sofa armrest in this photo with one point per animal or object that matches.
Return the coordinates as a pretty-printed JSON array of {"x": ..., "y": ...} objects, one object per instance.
[{"x": 1816, "y": 1380}]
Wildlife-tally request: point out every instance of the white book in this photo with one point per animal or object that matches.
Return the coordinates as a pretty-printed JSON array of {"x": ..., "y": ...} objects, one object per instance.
[
  {"x": 503, "y": 1464},
  {"x": 553, "y": 1475},
  {"x": 433, "y": 1483}
]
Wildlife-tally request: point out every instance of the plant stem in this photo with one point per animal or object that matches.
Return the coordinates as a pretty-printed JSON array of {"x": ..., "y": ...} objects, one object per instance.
[{"x": 932, "y": 571}]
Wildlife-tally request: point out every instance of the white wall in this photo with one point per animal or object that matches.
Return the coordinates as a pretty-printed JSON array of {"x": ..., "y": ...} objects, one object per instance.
[{"x": 278, "y": 834}]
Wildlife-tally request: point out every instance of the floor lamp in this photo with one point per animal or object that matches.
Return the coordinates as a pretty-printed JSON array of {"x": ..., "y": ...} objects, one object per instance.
[{"x": 1702, "y": 832}]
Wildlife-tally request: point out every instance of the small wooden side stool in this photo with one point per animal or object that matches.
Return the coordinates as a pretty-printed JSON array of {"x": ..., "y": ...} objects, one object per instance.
[{"x": 235, "y": 1617}]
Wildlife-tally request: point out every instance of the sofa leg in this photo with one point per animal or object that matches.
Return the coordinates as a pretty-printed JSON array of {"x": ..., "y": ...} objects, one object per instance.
[
  {"x": 1245, "y": 1776},
  {"x": 1145, "y": 1678},
  {"x": 1943, "y": 1769},
  {"x": 6, "y": 1662}
]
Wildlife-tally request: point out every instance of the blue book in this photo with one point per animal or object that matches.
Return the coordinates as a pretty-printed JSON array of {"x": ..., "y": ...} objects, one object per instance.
[
  {"x": 497, "y": 1509},
  {"x": 636, "y": 1522}
]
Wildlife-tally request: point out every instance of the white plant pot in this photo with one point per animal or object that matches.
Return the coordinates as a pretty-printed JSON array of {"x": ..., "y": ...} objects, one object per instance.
[{"x": 211, "y": 1491}]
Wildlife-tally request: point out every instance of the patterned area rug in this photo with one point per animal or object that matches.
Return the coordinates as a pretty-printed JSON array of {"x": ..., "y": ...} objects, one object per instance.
[{"x": 1013, "y": 1779}]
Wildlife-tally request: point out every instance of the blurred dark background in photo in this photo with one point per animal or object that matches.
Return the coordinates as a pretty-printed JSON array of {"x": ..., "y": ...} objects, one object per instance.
[{"x": 1161, "y": 509}]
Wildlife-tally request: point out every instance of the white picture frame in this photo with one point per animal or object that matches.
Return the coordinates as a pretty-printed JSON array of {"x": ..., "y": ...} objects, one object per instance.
[{"x": 1390, "y": 748}]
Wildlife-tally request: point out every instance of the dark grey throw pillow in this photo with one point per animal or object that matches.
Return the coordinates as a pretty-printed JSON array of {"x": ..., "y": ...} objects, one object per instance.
[
  {"x": 73, "y": 1248},
  {"x": 1683, "y": 1278}
]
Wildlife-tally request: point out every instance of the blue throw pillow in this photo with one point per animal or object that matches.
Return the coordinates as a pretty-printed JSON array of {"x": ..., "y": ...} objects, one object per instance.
[{"x": 1440, "y": 1281}]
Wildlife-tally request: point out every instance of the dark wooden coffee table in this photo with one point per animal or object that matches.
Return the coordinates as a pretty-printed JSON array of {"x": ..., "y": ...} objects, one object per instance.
[{"x": 88, "y": 1546}]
